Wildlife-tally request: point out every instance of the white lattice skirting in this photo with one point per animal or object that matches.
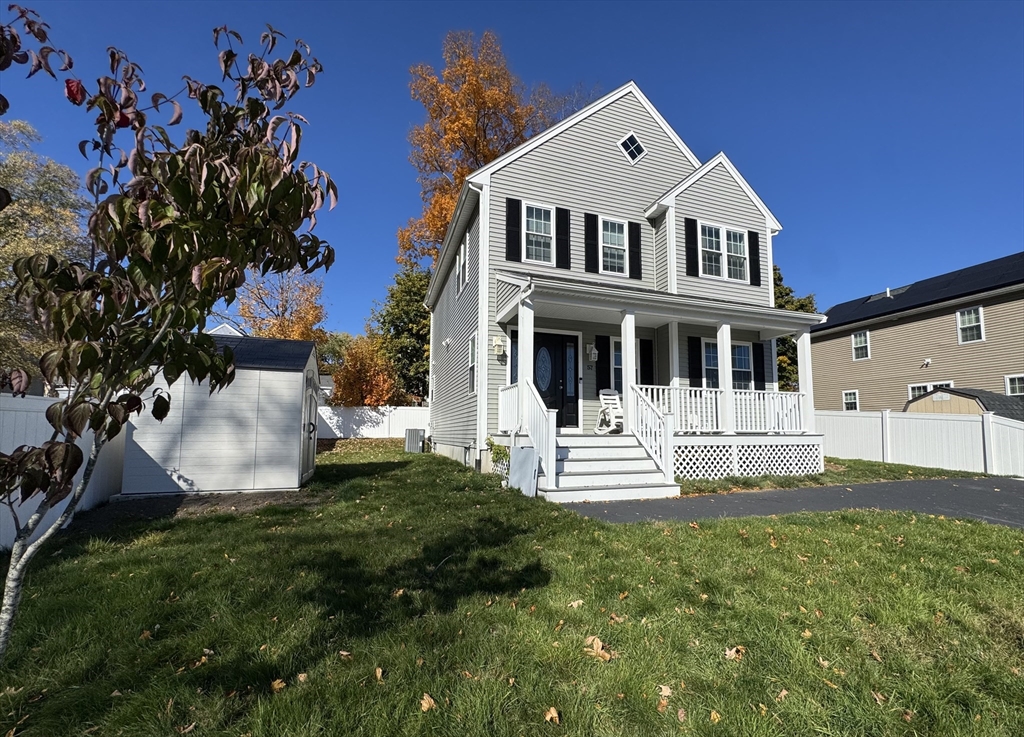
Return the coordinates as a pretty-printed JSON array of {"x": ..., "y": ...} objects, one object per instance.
[{"x": 720, "y": 456}]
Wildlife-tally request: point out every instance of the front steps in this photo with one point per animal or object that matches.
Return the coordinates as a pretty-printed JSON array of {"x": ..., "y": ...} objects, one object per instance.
[{"x": 604, "y": 468}]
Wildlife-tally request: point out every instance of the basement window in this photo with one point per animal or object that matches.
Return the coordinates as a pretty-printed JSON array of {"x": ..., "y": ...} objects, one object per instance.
[{"x": 632, "y": 147}]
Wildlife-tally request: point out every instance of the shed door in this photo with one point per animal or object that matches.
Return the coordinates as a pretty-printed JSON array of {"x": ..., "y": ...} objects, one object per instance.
[{"x": 309, "y": 413}]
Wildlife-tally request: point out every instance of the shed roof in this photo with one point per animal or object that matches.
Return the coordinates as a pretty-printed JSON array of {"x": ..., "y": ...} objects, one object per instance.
[
  {"x": 991, "y": 275},
  {"x": 1009, "y": 407},
  {"x": 267, "y": 354}
]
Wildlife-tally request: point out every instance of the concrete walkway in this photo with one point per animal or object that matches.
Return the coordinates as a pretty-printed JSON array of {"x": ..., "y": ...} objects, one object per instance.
[{"x": 996, "y": 500}]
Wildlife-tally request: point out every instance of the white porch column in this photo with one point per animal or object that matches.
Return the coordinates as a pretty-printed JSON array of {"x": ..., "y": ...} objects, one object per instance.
[
  {"x": 804, "y": 377},
  {"x": 628, "y": 335},
  {"x": 725, "y": 378},
  {"x": 673, "y": 364},
  {"x": 525, "y": 355}
]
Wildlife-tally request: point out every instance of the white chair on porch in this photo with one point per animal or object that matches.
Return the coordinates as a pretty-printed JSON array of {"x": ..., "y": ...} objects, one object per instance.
[{"x": 609, "y": 418}]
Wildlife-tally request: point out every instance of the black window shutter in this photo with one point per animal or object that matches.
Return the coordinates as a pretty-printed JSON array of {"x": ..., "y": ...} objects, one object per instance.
[
  {"x": 754, "y": 251},
  {"x": 696, "y": 363},
  {"x": 635, "y": 271},
  {"x": 759, "y": 365},
  {"x": 692, "y": 250},
  {"x": 561, "y": 238},
  {"x": 603, "y": 343},
  {"x": 513, "y": 230},
  {"x": 590, "y": 242},
  {"x": 646, "y": 361}
]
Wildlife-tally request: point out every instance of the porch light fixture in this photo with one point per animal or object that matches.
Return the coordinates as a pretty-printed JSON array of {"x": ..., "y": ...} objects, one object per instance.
[
  {"x": 499, "y": 345},
  {"x": 592, "y": 352}
]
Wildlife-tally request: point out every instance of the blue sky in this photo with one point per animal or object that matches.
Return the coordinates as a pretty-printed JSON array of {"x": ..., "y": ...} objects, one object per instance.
[{"x": 887, "y": 138}]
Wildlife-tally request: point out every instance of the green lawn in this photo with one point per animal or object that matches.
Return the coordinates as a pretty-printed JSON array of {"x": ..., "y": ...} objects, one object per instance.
[
  {"x": 859, "y": 623},
  {"x": 838, "y": 472}
]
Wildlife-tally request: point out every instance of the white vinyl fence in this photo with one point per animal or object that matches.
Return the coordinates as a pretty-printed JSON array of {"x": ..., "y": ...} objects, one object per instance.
[
  {"x": 983, "y": 443},
  {"x": 371, "y": 422},
  {"x": 23, "y": 422}
]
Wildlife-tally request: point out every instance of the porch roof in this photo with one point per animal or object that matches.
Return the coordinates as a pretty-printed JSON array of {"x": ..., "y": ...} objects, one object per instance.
[{"x": 574, "y": 299}]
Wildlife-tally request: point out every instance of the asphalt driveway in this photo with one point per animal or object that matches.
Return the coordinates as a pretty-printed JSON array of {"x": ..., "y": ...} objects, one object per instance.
[{"x": 996, "y": 500}]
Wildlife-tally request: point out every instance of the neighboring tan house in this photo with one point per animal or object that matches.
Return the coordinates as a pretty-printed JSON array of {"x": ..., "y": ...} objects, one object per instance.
[
  {"x": 961, "y": 329},
  {"x": 605, "y": 253}
]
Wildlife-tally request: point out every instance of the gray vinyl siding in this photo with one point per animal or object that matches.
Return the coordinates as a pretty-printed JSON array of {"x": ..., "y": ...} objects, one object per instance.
[
  {"x": 505, "y": 293},
  {"x": 900, "y": 346},
  {"x": 453, "y": 405},
  {"x": 661, "y": 253},
  {"x": 583, "y": 169},
  {"x": 718, "y": 199},
  {"x": 708, "y": 332}
]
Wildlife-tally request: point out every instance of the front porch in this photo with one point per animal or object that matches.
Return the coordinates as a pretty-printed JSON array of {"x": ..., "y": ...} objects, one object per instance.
[{"x": 701, "y": 422}]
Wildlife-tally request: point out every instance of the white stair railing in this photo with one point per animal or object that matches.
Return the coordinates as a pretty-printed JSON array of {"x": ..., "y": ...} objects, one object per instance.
[
  {"x": 653, "y": 429},
  {"x": 509, "y": 408},
  {"x": 540, "y": 425}
]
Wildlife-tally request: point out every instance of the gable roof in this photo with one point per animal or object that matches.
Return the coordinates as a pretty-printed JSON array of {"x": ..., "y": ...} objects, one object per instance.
[
  {"x": 522, "y": 149},
  {"x": 1011, "y": 408},
  {"x": 667, "y": 199},
  {"x": 267, "y": 354},
  {"x": 989, "y": 276}
]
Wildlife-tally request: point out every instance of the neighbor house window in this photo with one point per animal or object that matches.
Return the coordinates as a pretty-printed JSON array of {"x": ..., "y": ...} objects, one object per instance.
[
  {"x": 861, "y": 346},
  {"x": 735, "y": 268},
  {"x": 613, "y": 247},
  {"x": 742, "y": 366},
  {"x": 969, "y": 325},
  {"x": 539, "y": 235},
  {"x": 632, "y": 147},
  {"x": 461, "y": 263},
  {"x": 1014, "y": 385},
  {"x": 851, "y": 401},
  {"x": 916, "y": 390},
  {"x": 472, "y": 364}
]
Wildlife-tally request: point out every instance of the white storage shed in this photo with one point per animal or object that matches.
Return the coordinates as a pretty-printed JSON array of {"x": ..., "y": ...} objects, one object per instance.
[{"x": 257, "y": 434}]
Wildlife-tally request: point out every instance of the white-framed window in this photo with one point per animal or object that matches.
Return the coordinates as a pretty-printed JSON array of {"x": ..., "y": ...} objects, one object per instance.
[
  {"x": 851, "y": 400},
  {"x": 861, "y": 345},
  {"x": 734, "y": 267},
  {"x": 916, "y": 390},
  {"x": 632, "y": 147},
  {"x": 617, "y": 366},
  {"x": 1014, "y": 385},
  {"x": 472, "y": 364},
  {"x": 970, "y": 325},
  {"x": 613, "y": 246},
  {"x": 742, "y": 365},
  {"x": 462, "y": 264},
  {"x": 539, "y": 234}
]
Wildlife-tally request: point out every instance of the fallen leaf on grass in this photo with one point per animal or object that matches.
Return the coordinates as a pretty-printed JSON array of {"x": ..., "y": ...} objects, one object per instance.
[
  {"x": 115, "y": 693},
  {"x": 551, "y": 715},
  {"x": 277, "y": 685},
  {"x": 623, "y": 595},
  {"x": 303, "y": 677},
  {"x": 345, "y": 654},
  {"x": 379, "y": 674},
  {"x": 806, "y": 634},
  {"x": 576, "y": 604},
  {"x": 427, "y": 703},
  {"x": 782, "y": 694},
  {"x": 681, "y": 715},
  {"x": 616, "y": 619},
  {"x": 829, "y": 683},
  {"x": 822, "y": 662},
  {"x": 735, "y": 653},
  {"x": 879, "y": 698},
  {"x": 907, "y": 715},
  {"x": 186, "y": 730},
  {"x": 762, "y": 709},
  {"x": 595, "y": 649},
  {"x": 694, "y": 526},
  {"x": 146, "y": 635},
  {"x": 662, "y": 705},
  {"x": 665, "y": 691},
  {"x": 715, "y": 717},
  {"x": 560, "y": 625}
]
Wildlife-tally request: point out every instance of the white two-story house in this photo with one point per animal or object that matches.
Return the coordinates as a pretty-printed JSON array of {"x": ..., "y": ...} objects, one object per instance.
[{"x": 601, "y": 254}]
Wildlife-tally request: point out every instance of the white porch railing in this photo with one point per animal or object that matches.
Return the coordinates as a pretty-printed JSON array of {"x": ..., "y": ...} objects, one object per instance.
[
  {"x": 768, "y": 412},
  {"x": 508, "y": 409},
  {"x": 695, "y": 410},
  {"x": 653, "y": 429},
  {"x": 702, "y": 410},
  {"x": 540, "y": 425}
]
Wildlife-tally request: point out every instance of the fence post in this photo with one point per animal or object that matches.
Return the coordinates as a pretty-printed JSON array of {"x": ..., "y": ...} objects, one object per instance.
[
  {"x": 986, "y": 442},
  {"x": 886, "y": 447}
]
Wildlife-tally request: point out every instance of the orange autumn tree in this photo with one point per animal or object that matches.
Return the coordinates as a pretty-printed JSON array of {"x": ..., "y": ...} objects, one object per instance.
[
  {"x": 477, "y": 109},
  {"x": 283, "y": 306},
  {"x": 366, "y": 378}
]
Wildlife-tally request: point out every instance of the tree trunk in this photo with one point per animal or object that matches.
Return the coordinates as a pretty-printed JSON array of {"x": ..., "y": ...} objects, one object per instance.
[{"x": 23, "y": 551}]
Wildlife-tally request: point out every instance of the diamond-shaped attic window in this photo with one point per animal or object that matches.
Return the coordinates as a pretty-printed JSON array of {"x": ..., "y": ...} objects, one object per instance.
[{"x": 632, "y": 147}]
